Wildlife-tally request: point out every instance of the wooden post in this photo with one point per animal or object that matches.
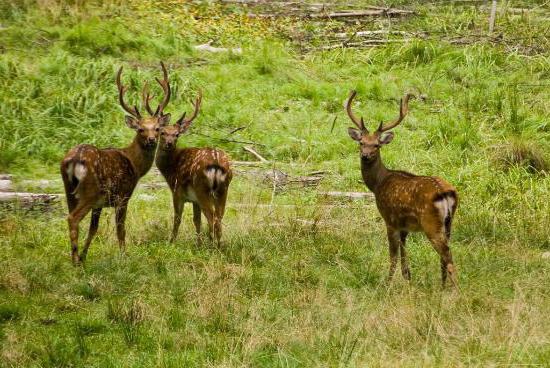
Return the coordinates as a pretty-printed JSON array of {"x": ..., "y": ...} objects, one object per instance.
[{"x": 493, "y": 16}]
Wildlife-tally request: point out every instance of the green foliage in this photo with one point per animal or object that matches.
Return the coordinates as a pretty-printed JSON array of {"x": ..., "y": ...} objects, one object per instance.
[{"x": 301, "y": 278}]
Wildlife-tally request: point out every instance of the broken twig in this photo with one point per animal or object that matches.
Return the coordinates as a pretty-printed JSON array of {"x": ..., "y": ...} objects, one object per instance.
[{"x": 255, "y": 154}]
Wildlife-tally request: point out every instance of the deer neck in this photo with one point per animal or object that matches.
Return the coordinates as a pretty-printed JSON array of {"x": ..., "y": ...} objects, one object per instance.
[
  {"x": 140, "y": 156},
  {"x": 374, "y": 172},
  {"x": 165, "y": 160}
]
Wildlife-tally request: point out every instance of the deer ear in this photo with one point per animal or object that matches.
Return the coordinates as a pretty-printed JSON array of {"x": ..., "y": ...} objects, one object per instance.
[
  {"x": 131, "y": 122},
  {"x": 183, "y": 126},
  {"x": 355, "y": 134},
  {"x": 385, "y": 137},
  {"x": 164, "y": 119}
]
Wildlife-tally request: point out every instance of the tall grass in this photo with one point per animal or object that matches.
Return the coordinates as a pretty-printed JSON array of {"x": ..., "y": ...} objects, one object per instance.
[{"x": 294, "y": 286}]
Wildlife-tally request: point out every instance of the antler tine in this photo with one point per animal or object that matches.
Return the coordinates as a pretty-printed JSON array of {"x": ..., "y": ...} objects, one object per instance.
[
  {"x": 403, "y": 110},
  {"x": 359, "y": 122},
  {"x": 165, "y": 84},
  {"x": 146, "y": 98},
  {"x": 121, "y": 91},
  {"x": 184, "y": 123}
]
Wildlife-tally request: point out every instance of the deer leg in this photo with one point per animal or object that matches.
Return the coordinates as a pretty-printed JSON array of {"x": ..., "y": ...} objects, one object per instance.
[
  {"x": 443, "y": 273},
  {"x": 205, "y": 203},
  {"x": 440, "y": 243},
  {"x": 403, "y": 255},
  {"x": 209, "y": 214},
  {"x": 94, "y": 224},
  {"x": 120, "y": 219},
  {"x": 74, "y": 219},
  {"x": 394, "y": 242},
  {"x": 178, "y": 210},
  {"x": 197, "y": 222},
  {"x": 219, "y": 211}
]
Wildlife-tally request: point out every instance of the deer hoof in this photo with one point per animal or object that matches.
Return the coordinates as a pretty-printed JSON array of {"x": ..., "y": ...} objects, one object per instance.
[{"x": 77, "y": 261}]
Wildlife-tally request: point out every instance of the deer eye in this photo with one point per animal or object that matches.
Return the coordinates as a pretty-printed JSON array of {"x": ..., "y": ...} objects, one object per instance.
[
  {"x": 157, "y": 129},
  {"x": 141, "y": 130}
]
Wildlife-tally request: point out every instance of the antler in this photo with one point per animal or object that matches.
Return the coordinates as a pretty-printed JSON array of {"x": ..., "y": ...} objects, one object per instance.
[
  {"x": 146, "y": 96},
  {"x": 183, "y": 122},
  {"x": 359, "y": 122},
  {"x": 121, "y": 91},
  {"x": 165, "y": 84},
  {"x": 403, "y": 110}
]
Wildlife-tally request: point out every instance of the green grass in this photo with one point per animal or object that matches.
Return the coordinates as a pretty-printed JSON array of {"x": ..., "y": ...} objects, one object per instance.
[{"x": 294, "y": 286}]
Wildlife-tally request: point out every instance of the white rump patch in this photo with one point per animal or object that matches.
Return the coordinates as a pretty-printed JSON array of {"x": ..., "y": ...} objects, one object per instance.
[
  {"x": 445, "y": 206},
  {"x": 220, "y": 176},
  {"x": 214, "y": 176},
  {"x": 80, "y": 171},
  {"x": 210, "y": 176},
  {"x": 70, "y": 171}
]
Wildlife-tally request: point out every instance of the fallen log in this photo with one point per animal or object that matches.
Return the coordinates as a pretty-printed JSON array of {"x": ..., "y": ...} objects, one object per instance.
[
  {"x": 6, "y": 185},
  {"x": 208, "y": 48},
  {"x": 364, "y": 43},
  {"x": 350, "y": 195},
  {"x": 370, "y": 33},
  {"x": 363, "y": 13},
  {"x": 306, "y": 181},
  {"x": 381, "y": 12},
  {"x": 248, "y": 163},
  {"x": 28, "y": 200},
  {"x": 27, "y": 197},
  {"x": 42, "y": 184}
]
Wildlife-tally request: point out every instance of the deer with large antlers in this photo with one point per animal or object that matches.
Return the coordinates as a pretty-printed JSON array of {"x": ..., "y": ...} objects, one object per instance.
[
  {"x": 96, "y": 178},
  {"x": 406, "y": 202},
  {"x": 197, "y": 175}
]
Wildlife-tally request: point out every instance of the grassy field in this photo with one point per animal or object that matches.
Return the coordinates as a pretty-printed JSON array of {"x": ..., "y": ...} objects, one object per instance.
[{"x": 301, "y": 278}]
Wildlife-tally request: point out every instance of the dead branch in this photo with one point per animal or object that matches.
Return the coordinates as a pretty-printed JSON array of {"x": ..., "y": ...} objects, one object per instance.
[
  {"x": 318, "y": 173},
  {"x": 233, "y": 131},
  {"x": 255, "y": 154},
  {"x": 492, "y": 17}
]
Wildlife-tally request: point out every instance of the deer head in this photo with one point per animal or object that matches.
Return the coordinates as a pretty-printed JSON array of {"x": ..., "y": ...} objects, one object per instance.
[
  {"x": 147, "y": 127},
  {"x": 169, "y": 134},
  {"x": 370, "y": 143}
]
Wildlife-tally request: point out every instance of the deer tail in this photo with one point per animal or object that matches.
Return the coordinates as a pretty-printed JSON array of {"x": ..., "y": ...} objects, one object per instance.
[
  {"x": 216, "y": 176},
  {"x": 446, "y": 202},
  {"x": 73, "y": 170}
]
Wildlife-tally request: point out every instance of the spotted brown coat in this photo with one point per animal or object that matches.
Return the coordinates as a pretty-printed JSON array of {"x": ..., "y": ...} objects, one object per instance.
[{"x": 407, "y": 202}]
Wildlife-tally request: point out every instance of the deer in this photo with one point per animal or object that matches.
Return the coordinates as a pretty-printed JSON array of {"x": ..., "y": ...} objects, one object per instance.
[
  {"x": 96, "y": 178},
  {"x": 197, "y": 175},
  {"x": 406, "y": 202}
]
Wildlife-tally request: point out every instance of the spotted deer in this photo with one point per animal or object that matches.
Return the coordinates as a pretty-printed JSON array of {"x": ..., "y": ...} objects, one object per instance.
[
  {"x": 95, "y": 178},
  {"x": 407, "y": 202},
  {"x": 197, "y": 175}
]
